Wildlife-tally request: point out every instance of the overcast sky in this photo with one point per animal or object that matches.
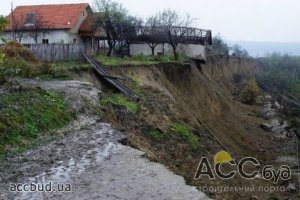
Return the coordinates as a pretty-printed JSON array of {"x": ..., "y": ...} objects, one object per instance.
[{"x": 252, "y": 20}]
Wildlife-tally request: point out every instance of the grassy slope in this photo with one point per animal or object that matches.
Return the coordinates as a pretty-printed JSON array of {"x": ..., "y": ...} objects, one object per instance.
[
  {"x": 27, "y": 114},
  {"x": 137, "y": 60},
  {"x": 59, "y": 70},
  {"x": 184, "y": 131},
  {"x": 119, "y": 100}
]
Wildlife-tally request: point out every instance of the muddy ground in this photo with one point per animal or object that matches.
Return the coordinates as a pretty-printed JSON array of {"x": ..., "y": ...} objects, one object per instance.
[{"x": 89, "y": 157}]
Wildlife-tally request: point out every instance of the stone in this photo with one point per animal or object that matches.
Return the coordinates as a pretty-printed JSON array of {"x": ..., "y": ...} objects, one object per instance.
[
  {"x": 277, "y": 105},
  {"x": 266, "y": 127},
  {"x": 268, "y": 107},
  {"x": 268, "y": 97},
  {"x": 277, "y": 129},
  {"x": 275, "y": 122},
  {"x": 291, "y": 187},
  {"x": 284, "y": 124},
  {"x": 269, "y": 114},
  {"x": 289, "y": 135}
]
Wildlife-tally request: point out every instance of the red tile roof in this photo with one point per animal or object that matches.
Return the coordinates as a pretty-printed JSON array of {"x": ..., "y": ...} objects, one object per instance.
[
  {"x": 57, "y": 16},
  {"x": 86, "y": 25}
]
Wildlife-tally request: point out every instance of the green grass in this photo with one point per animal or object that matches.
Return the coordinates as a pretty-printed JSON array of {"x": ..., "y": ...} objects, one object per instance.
[
  {"x": 134, "y": 85},
  {"x": 120, "y": 100},
  {"x": 137, "y": 60},
  {"x": 69, "y": 65},
  {"x": 27, "y": 114},
  {"x": 184, "y": 131},
  {"x": 155, "y": 134},
  {"x": 59, "y": 70}
]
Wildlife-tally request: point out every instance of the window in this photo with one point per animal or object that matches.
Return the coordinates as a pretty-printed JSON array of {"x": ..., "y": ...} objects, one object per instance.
[
  {"x": 30, "y": 19},
  {"x": 74, "y": 41},
  {"x": 45, "y": 41}
]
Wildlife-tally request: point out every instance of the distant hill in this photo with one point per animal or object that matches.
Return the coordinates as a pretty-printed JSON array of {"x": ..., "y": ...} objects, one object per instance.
[{"x": 262, "y": 48}]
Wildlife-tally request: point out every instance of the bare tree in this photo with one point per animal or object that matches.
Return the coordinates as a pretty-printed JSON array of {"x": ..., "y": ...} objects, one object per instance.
[
  {"x": 110, "y": 15},
  {"x": 238, "y": 51},
  {"x": 219, "y": 46},
  {"x": 176, "y": 28},
  {"x": 33, "y": 26},
  {"x": 152, "y": 28},
  {"x": 18, "y": 27},
  {"x": 125, "y": 29}
]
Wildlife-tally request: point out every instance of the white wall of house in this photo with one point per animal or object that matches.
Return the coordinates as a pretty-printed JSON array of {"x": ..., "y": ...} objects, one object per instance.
[
  {"x": 53, "y": 36},
  {"x": 138, "y": 49},
  {"x": 190, "y": 50}
]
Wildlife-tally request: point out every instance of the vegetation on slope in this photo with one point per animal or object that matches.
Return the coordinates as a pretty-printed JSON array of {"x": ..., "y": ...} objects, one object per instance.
[
  {"x": 137, "y": 60},
  {"x": 60, "y": 70},
  {"x": 155, "y": 134},
  {"x": 282, "y": 72},
  {"x": 184, "y": 131},
  {"x": 120, "y": 100},
  {"x": 27, "y": 114},
  {"x": 249, "y": 92},
  {"x": 16, "y": 60}
]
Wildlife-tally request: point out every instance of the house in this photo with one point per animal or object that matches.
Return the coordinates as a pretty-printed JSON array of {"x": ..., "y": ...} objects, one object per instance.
[
  {"x": 72, "y": 24},
  {"x": 51, "y": 24}
]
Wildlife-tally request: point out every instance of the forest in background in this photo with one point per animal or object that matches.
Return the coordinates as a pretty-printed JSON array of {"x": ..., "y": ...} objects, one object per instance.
[{"x": 281, "y": 74}]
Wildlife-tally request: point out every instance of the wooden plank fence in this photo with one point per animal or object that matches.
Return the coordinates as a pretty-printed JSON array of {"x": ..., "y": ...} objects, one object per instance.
[{"x": 57, "y": 52}]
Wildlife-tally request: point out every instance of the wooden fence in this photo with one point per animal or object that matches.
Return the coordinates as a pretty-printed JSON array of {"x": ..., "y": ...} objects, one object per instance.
[{"x": 57, "y": 52}]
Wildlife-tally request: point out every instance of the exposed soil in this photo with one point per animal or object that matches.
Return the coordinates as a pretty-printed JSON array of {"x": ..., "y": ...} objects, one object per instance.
[
  {"x": 88, "y": 155},
  {"x": 202, "y": 97}
]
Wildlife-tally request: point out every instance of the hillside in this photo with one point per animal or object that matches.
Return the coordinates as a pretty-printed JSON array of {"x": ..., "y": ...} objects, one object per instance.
[{"x": 185, "y": 112}]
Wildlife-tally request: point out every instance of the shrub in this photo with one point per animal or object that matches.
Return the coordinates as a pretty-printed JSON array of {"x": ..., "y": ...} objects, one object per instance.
[
  {"x": 19, "y": 61},
  {"x": 2, "y": 74},
  {"x": 249, "y": 93},
  {"x": 154, "y": 134},
  {"x": 13, "y": 50}
]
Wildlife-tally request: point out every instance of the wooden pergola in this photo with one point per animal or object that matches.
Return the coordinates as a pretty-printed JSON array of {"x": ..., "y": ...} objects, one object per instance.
[{"x": 187, "y": 35}]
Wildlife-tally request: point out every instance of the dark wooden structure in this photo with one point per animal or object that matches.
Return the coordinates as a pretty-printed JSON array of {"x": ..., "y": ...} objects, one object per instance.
[
  {"x": 188, "y": 35},
  {"x": 107, "y": 77}
]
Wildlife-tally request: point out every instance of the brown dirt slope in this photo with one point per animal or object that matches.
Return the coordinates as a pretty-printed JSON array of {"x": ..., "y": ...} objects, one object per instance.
[{"x": 201, "y": 96}]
